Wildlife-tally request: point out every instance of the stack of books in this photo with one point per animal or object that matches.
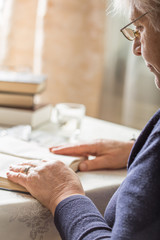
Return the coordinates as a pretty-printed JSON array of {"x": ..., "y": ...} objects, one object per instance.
[{"x": 19, "y": 93}]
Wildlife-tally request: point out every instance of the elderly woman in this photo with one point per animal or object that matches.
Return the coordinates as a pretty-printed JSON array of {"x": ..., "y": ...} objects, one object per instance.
[{"x": 134, "y": 210}]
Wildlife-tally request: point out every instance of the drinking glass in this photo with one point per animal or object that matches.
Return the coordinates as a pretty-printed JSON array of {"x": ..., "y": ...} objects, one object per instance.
[{"x": 69, "y": 118}]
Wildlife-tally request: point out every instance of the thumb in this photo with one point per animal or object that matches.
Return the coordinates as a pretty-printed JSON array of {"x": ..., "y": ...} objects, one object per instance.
[{"x": 94, "y": 164}]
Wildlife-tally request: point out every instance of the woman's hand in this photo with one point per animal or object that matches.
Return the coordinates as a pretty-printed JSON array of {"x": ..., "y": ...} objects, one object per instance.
[
  {"x": 49, "y": 182},
  {"x": 109, "y": 154}
]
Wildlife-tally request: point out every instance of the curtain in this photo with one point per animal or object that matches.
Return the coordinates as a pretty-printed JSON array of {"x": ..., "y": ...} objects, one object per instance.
[
  {"x": 129, "y": 96},
  {"x": 141, "y": 98}
]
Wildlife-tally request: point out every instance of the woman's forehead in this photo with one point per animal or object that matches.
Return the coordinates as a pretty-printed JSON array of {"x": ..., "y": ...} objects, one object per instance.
[{"x": 134, "y": 13}]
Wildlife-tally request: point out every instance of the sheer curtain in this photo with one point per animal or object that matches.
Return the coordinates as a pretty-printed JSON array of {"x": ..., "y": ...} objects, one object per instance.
[
  {"x": 129, "y": 94},
  {"x": 141, "y": 98},
  {"x": 6, "y": 7}
]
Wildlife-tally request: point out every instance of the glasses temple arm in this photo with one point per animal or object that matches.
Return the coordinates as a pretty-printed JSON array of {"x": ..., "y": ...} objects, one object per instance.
[{"x": 133, "y": 21}]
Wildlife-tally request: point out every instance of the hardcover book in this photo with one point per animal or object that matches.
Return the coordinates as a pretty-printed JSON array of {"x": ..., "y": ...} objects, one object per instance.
[
  {"x": 35, "y": 116},
  {"x": 13, "y": 151},
  {"x": 17, "y": 100},
  {"x": 17, "y": 82}
]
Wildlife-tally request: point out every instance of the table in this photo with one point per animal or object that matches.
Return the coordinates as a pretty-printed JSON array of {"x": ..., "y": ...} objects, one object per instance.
[{"x": 23, "y": 217}]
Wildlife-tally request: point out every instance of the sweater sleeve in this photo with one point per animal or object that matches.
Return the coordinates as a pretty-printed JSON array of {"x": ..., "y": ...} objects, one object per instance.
[
  {"x": 137, "y": 214},
  {"x": 77, "y": 218},
  {"x": 137, "y": 205}
]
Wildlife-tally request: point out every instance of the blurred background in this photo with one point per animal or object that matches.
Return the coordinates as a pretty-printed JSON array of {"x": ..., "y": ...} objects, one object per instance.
[{"x": 85, "y": 57}]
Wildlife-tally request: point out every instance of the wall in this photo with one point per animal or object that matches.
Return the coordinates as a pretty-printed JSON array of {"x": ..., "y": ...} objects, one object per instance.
[{"x": 64, "y": 40}]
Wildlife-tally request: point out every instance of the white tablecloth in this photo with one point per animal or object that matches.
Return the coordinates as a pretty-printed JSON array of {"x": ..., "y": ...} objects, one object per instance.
[{"x": 23, "y": 217}]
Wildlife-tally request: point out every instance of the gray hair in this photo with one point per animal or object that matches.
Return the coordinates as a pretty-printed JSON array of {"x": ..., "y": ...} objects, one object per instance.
[{"x": 151, "y": 6}]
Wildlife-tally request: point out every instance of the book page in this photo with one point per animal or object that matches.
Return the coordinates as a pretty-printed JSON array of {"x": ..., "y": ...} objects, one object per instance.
[
  {"x": 5, "y": 162},
  {"x": 14, "y": 151},
  {"x": 31, "y": 150}
]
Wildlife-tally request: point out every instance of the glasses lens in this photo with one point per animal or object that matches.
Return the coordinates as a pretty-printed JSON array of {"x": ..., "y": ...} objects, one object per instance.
[{"x": 129, "y": 34}]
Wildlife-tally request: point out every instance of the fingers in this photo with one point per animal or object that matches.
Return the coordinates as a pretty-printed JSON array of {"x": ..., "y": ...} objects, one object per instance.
[
  {"x": 94, "y": 164},
  {"x": 102, "y": 162},
  {"x": 17, "y": 177},
  {"x": 32, "y": 163},
  {"x": 19, "y": 168},
  {"x": 75, "y": 150}
]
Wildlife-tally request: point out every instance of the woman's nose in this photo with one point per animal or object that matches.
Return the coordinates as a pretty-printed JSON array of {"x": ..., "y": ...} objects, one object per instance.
[{"x": 137, "y": 47}]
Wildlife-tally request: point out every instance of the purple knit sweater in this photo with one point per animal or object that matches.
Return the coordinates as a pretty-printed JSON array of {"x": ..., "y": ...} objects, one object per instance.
[{"x": 133, "y": 212}]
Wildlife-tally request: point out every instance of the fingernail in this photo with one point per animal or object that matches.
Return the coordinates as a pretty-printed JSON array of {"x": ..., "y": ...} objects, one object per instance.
[
  {"x": 51, "y": 150},
  {"x": 83, "y": 167}
]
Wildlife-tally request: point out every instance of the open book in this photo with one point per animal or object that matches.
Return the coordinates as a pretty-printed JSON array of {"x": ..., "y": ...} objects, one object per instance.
[{"x": 13, "y": 150}]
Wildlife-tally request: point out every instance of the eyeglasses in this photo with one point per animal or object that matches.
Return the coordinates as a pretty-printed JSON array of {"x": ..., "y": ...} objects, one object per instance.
[{"x": 129, "y": 33}]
